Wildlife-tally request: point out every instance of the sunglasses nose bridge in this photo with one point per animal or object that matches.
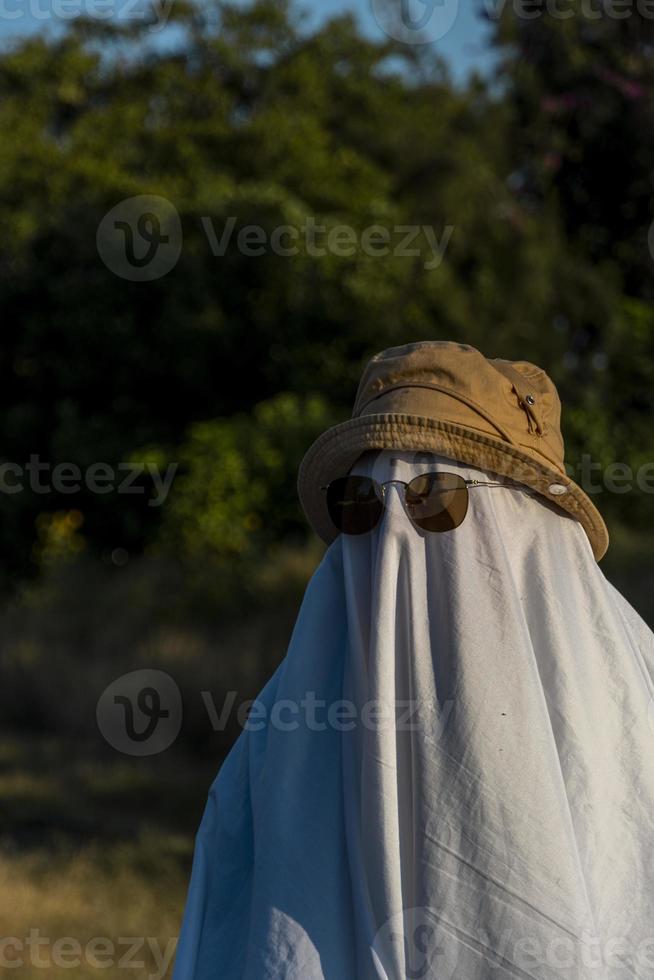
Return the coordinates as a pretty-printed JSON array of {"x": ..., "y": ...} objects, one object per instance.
[
  {"x": 388, "y": 483},
  {"x": 397, "y": 485},
  {"x": 394, "y": 503}
]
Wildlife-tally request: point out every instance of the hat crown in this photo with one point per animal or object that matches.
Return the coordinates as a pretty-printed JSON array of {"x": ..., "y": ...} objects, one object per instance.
[
  {"x": 443, "y": 397},
  {"x": 515, "y": 399}
]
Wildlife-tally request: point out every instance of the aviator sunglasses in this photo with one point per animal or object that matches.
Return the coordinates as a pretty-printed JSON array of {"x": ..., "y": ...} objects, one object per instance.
[{"x": 435, "y": 501}]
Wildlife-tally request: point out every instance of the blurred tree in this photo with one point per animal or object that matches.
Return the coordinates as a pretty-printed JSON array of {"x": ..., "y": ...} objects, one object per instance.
[
  {"x": 243, "y": 117},
  {"x": 235, "y": 496},
  {"x": 578, "y": 91}
]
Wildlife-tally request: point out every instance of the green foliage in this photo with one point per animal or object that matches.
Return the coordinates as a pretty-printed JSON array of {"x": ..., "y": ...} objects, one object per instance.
[
  {"x": 545, "y": 182},
  {"x": 235, "y": 496},
  {"x": 229, "y": 366}
]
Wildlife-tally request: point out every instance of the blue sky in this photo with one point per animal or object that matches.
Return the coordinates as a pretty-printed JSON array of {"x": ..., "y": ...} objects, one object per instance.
[{"x": 462, "y": 44}]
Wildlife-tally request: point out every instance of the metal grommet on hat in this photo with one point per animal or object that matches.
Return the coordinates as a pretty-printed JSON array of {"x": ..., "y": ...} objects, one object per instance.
[{"x": 501, "y": 416}]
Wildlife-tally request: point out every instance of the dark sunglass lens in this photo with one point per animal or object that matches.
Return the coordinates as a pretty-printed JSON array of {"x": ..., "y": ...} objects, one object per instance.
[
  {"x": 437, "y": 501},
  {"x": 354, "y": 504}
]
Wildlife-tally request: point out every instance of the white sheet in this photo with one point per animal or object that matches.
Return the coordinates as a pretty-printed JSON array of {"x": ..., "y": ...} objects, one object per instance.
[{"x": 505, "y": 831}]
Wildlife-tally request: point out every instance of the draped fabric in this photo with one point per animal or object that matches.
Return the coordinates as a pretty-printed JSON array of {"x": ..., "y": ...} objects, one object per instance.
[{"x": 450, "y": 775}]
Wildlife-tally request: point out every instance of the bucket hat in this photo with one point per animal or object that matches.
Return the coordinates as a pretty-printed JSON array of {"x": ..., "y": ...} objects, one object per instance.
[{"x": 448, "y": 398}]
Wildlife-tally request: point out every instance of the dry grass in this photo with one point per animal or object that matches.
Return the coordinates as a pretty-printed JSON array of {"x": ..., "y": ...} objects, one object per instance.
[
  {"x": 95, "y": 855},
  {"x": 73, "y": 911},
  {"x": 95, "y": 847}
]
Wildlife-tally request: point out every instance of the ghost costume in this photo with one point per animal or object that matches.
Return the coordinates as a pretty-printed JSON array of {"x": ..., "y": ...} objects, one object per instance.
[{"x": 450, "y": 775}]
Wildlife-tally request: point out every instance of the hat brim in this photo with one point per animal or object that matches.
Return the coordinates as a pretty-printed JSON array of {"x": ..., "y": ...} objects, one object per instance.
[{"x": 337, "y": 449}]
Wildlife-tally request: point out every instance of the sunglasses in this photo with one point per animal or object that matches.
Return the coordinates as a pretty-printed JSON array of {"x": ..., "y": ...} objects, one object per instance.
[{"x": 434, "y": 501}]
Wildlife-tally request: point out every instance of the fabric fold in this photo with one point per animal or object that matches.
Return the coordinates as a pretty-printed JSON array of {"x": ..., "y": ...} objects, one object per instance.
[{"x": 449, "y": 776}]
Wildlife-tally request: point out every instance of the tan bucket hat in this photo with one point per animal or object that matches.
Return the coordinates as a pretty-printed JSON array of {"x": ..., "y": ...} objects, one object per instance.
[{"x": 503, "y": 416}]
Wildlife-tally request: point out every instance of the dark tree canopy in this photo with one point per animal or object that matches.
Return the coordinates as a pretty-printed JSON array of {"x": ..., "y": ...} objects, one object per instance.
[{"x": 230, "y": 364}]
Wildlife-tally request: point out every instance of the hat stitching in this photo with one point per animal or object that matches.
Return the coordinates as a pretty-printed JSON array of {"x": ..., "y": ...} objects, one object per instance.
[
  {"x": 470, "y": 402},
  {"x": 517, "y": 452},
  {"x": 413, "y": 430}
]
